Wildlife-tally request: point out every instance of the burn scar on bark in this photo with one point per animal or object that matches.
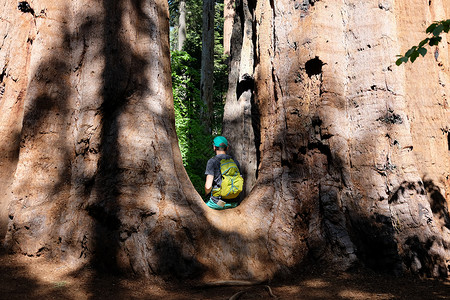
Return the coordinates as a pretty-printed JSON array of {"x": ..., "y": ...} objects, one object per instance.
[
  {"x": 25, "y": 7},
  {"x": 246, "y": 83},
  {"x": 2, "y": 77},
  {"x": 391, "y": 118}
]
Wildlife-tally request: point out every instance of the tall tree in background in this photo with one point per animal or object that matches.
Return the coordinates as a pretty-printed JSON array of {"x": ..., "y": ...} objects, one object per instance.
[
  {"x": 193, "y": 47},
  {"x": 228, "y": 13},
  {"x": 182, "y": 25},
  {"x": 207, "y": 71}
]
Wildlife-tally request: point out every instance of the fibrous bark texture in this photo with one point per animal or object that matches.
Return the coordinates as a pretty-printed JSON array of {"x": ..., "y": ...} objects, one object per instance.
[
  {"x": 353, "y": 161},
  {"x": 97, "y": 134},
  {"x": 353, "y": 152},
  {"x": 241, "y": 119}
]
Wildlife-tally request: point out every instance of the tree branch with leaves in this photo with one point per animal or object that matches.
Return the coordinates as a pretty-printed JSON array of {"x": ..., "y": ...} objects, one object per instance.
[{"x": 434, "y": 30}]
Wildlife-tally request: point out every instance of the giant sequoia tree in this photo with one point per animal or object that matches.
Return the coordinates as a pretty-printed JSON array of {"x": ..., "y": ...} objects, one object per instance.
[{"x": 352, "y": 152}]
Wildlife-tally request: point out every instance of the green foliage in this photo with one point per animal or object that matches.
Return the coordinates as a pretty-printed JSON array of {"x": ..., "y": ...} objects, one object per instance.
[
  {"x": 194, "y": 14},
  {"x": 194, "y": 140},
  {"x": 193, "y": 46},
  {"x": 434, "y": 30}
]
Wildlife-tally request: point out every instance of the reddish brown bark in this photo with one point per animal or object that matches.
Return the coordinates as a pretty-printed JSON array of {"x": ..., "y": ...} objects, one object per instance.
[
  {"x": 350, "y": 171},
  {"x": 98, "y": 134}
]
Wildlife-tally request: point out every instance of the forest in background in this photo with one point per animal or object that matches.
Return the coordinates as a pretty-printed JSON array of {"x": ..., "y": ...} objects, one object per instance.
[{"x": 194, "y": 136}]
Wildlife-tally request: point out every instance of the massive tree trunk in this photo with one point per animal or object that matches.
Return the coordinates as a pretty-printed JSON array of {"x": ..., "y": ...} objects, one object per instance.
[
  {"x": 99, "y": 175},
  {"x": 350, "y": 169},
  {"x": 354, "y": 151}
]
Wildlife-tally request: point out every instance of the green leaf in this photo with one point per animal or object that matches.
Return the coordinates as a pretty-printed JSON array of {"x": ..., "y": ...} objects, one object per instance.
[
  {"x": 422, "y": 51},
  {"x": 437, "y": 31},
  {"x": 423, "y": 42},
  {"x": 401, "y": 60},
  {"x": 410, "y": 51},
  {"x": 434, "y": 41},
  {"x": 431, "y": 28},
  {"x": 446, "y": 25},
  {"x": 414, "y": 56}
]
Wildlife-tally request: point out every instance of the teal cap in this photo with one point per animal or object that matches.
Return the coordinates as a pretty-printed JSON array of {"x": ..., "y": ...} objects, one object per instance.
[{"x": 220, "y": 141}]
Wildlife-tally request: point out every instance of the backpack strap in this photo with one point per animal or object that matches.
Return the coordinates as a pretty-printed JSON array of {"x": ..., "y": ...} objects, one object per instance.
[
  {"x": 218, "y": 161},
  {"x": 220, "y": 198}
]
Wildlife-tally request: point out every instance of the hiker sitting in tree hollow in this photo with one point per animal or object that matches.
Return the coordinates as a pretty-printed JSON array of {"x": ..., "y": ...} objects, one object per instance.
[{"x": 223, "y": 178}]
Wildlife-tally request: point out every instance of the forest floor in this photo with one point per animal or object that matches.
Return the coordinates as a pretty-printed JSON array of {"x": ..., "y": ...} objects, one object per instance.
[{"x": 24, "y": 277}]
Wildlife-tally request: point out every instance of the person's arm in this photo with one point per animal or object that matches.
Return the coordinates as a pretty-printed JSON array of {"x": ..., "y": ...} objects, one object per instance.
[{"x": 208, "y": 184}]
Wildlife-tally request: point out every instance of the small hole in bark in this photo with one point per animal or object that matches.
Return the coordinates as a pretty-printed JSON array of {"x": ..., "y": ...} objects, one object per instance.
[
  {"x": 316, "y": 121},
  {"x": 302, "y": 150},
  {"x": 314, "y": 66},
  {"x": 285, "y": 162}
]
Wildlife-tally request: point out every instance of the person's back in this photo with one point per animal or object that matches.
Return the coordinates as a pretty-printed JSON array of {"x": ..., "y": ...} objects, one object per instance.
[{"x": 222, "y": 167}]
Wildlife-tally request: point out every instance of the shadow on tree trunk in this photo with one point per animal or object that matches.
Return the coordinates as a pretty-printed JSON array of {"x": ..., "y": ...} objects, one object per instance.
[{"x": 111, "y": 194}]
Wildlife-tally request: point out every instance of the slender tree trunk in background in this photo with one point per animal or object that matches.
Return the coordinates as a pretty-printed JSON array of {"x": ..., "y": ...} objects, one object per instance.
[
  {"x": 241, "y": 119},
  {"x": 207, "y": 70},
  {"x": 182, "y": 25},
  {"x": 353, "y": 165},
  {"x": 228, "y": 15}
]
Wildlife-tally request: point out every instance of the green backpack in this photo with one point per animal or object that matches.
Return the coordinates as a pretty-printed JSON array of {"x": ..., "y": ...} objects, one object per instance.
[{"x": 232, "y": 181}]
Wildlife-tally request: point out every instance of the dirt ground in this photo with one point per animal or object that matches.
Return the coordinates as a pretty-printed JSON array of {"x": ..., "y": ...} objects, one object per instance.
[{"x": 37, "y": 278}]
